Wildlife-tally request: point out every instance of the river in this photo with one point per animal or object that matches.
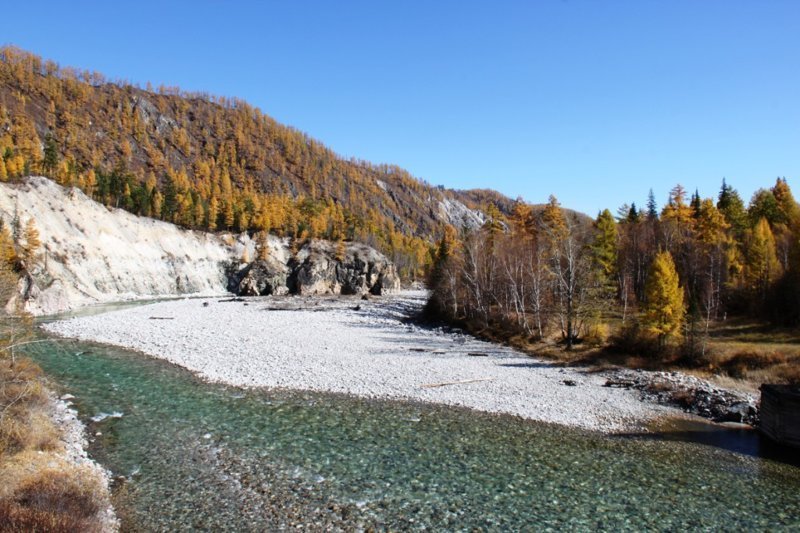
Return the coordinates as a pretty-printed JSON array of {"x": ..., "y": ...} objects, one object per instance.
[{"x": 192, "y": 455}]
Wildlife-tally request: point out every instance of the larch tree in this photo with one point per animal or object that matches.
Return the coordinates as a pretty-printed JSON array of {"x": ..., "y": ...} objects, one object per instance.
[
  {"x": 29, "y": 245},
  {"x": 604, "y": 252},
  {"x": 570, "y": 267},
  {"x": 663, "y": 311},
  {"x": 761, "y": 261},
  {"x": 8, "y": 255},
  {"x": 443, "y": 277}
]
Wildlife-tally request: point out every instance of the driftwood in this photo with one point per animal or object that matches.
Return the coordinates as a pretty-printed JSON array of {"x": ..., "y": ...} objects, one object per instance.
[
  {"x": 477, "y": 354},
  {"x": 459, "y": 382},
  {"x": 162, "y": 318}
]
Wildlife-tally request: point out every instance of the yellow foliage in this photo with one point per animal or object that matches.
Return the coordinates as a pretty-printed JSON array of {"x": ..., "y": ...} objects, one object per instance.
[{"x": 663, "y": 310}]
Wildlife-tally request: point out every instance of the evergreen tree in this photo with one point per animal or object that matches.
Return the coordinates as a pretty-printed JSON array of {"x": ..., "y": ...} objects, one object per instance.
[
  {"x": 696, "y": 203},
  {"x": 634, "y": 215},
  {"x": 731, "y": 206},
  {"x": 652, "y": 206},
  {"x": 50, "y": 160},
  {"x": 764, "y": 205}
]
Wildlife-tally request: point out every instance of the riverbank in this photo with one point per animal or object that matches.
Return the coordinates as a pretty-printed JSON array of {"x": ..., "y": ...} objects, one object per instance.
[
  {"x": 363, "y": 348},
  {"x": 47, "y": 480}
]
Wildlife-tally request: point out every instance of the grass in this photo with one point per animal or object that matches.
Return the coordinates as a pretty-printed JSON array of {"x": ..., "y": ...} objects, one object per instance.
[
  {"x": 40, "y": 490},
  {"x": 754, "y": 352},
  {"x": 738, "y": 353}
]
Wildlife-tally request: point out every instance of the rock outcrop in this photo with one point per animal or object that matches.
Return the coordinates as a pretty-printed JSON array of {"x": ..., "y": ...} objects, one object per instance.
[
  {"x": 263, "y": 277},
  {"x": 319, "y": 267},
  {"x": 692, "y": 394}
]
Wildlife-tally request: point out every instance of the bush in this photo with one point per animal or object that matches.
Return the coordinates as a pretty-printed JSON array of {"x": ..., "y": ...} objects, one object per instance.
[
  {"x": 43, "y": 492},
  {"x": 16, "y": 518},
  {"x": 40, "y": 490},
  {"x": 632, "y": 340},
  {"x": 597, "y": 334}
]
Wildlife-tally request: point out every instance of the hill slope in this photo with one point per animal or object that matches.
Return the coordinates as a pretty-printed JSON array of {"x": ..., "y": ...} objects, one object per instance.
[{"x": 212, "y": 163}]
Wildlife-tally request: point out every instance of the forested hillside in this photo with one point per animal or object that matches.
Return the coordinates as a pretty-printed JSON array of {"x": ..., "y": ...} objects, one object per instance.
[{"x": 212, "y": 163}]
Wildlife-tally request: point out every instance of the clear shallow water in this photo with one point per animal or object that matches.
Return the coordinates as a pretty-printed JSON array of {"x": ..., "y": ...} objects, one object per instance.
[{"x": 197, "y": 455}]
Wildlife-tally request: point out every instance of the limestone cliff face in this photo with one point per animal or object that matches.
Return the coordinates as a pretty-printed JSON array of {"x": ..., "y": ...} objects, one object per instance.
[{"x": 92, "y": 254}]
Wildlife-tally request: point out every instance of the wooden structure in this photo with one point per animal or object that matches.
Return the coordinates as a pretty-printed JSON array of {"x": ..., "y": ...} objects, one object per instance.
[{"x": 780, "y": 413}]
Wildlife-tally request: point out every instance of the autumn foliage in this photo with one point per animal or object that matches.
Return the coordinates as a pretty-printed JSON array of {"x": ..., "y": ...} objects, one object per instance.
[
  {"x": 661, "y": 275},
  {"x": 204, "y": 162}
]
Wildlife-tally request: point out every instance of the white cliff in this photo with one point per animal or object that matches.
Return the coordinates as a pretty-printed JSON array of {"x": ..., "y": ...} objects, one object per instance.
[{"x": 93, "y": 254}]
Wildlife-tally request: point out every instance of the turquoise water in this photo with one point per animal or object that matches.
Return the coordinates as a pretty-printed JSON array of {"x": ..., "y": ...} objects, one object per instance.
[{"x": 192, "y": 455}]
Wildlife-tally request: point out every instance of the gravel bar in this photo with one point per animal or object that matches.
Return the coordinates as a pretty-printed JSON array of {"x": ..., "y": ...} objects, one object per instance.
[{"x": 365, "y": 348}]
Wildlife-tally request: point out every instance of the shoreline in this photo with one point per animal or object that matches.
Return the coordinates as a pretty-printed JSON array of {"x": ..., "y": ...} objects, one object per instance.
[
  {"x": 366, "y": 349},
  {"x": 73, "y": 437}
]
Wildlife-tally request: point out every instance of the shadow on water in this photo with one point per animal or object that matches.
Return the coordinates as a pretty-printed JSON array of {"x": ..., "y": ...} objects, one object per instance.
[{"x": 737, "y": 438}]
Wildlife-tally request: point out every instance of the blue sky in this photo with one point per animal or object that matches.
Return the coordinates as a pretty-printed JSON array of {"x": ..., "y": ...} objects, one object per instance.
[{"x": 593, "y": 101}]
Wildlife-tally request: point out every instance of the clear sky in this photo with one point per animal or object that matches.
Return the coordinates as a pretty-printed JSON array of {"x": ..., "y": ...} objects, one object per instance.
[{"x": 593, "y": 101}]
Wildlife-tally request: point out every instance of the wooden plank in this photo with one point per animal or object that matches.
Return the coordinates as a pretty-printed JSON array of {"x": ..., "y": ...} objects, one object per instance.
[{"x": 459, "y": 382}]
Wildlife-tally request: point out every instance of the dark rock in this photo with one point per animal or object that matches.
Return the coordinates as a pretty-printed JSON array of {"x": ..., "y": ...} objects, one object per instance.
[
  {"x": 365, "y": 296},
  {"x": 205, "y": 304},
  {"x": 738, "y": 412},
  {"x": 319, "y": 267},
  {"x": 570, "y": 382},
  {"x": 689, "y": 393},
  {"x": 262, "y": 278}
]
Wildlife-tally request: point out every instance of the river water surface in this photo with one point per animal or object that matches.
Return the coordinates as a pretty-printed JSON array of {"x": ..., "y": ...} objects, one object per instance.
[{"x": 192, "y": 455}]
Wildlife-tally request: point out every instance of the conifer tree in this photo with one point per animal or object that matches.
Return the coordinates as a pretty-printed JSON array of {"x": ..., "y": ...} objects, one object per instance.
[
  {"x": 8, "y": 255},
  {"x": 764, "y": 205},
  {"x": 652, "y": 206},
  {"x": 663, "y": 310},
  {"x": 761, "y": 261},
  {"x": 262, "y": 246},
  {"x": 731, "y": 206},
  {"x": 30, "y": 244},
  {"x": 790, "y": 212},
  {"x": 604, "y": 250},
  {"x": 521, "y": 215}
]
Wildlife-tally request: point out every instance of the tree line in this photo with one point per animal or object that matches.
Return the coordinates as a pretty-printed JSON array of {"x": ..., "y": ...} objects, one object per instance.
[{"x": 661, "y": 275}]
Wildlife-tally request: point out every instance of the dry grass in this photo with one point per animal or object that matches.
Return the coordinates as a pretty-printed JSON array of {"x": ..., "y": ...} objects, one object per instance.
[
  {"x": 754, "y": 353},
  {"x": 43, "y": 492},
  {"x": 39, "y": 489},
  {"x": 24, "y": 421}
]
